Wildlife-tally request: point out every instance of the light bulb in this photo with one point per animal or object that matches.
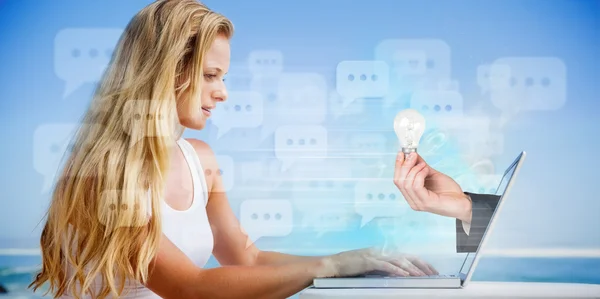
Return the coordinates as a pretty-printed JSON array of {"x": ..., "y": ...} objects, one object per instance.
[{"x": 409, "y": 126}]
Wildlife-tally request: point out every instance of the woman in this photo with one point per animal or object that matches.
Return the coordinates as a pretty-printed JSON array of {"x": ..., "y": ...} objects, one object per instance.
[{"x": 134, "y": 215}]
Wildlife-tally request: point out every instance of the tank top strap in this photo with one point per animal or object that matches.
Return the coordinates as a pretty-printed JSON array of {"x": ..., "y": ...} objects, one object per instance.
[{"x": 198, "y": 176}]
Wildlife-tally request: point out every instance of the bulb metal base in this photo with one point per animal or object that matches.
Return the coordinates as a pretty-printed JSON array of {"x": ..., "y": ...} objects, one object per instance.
[{"x": 408, "y": 150}]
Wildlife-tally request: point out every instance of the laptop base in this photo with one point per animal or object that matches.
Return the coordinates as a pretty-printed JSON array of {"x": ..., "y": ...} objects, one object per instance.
[{"x": 450, "y": 282}]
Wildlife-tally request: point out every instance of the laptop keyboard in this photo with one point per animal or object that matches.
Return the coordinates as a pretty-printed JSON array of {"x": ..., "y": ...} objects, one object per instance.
[{"x": 426, "y": 276}]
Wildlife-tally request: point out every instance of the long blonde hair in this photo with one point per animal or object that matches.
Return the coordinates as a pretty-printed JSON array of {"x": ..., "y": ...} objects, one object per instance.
[{"x": 103, "y": 220}]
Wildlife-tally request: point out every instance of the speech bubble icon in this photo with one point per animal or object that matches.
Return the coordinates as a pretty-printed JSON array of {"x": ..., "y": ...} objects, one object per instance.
[
  {"x": 378, "y": 199},
  {"x": 262, "y": 174},
  {"x": 265, "y": 62},
  {"x": 309, "y": 194},
  {"x": 340, "y": 106},
  {"x": 437, "y": 62},
  {"x": 448, "y": 84},
  {"x": 226, "y": 172},
  {"x": 330, "y": 220},
  {"x": 362, "y": 79},
  {"x": 294, "y": 142},
  {"x": 243, "y": 109},
  {"x": 302, "y": 98},
  {"x": 369, "y": 144},
  {"x": 81, "y": 55},
  {"x": 483, "y": 78},
  {"x": 124, "y": 208},
  {"x": 409, "y": 62},
  {"x": 485, "y": 144},
  {"x": 141, "y": 119},
  {"x": 266, "y": 218},
  {"x": 50, "y": 144},
  {"x": 536, "y": 83},
  {"x": 438, "y": 103},
  {"x": 242, "y": 139}
]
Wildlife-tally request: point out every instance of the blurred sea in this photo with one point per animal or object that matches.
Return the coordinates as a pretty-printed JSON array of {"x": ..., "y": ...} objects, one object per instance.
[{"x": 16, "y": 272}]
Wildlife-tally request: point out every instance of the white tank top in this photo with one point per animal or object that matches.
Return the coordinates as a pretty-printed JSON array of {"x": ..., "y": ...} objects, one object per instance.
[{"x": 189, "y": 230}]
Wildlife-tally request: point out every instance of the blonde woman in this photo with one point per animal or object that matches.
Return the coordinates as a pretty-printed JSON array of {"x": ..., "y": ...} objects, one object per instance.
[{"x": 134, "y": 215}]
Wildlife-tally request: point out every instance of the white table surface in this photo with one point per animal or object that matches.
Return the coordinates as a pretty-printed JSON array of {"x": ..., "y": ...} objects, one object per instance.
[{"x": 473, "y": 290}]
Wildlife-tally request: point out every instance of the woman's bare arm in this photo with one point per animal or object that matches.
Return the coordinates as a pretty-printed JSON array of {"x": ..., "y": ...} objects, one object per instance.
[{"x": 173, "y": 275}]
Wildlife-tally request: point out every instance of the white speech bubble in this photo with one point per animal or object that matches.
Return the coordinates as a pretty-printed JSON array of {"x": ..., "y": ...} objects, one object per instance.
[
  {"x": 124, "y": 208},
  {"x": 397, "y": 52},
  {"x": 408, "y": 62},
  {"x": 448, "y": 84},
  {"x": 327, "y": 220},
  {"x": 485, "y": 144},
  {"x": 370, "y": 144},
  {"x": 293, "y": 142},
  {"x": 266, "y": 218},
  {"x": 483, "y": 167},
  {"x": 239, "y": 139},
  {"x": 309, "y": 194},
  {"x": 226, "y": 171},
  {"x": 81, "y": 55},
  {"x": 50, "y": 145},
  {"x": 378, "y": 199},
  {"x": 243, "y": 109},
  {"x": 302, "y": 98},
  {"x": 438, "y": 103},
  {"x": 338, "y": 107},
  {"x": 483, "y": 78},
  {"x": 362, "y": 79},
  {"x": 265, "y": 62},
  {"x": 139, "y": 117},
  {"x": 529, "y": 83}
]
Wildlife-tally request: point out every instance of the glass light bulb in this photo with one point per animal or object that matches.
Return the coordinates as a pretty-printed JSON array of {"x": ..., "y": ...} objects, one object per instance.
[{"x": 409, "y": 126}]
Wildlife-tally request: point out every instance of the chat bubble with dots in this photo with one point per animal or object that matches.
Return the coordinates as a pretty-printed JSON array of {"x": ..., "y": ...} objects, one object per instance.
[
  {"x": 265, "y": 62},
  {"x": 338, "y": 107},
  {"x": 483, "y": 77},
  {"x": 238, "y": 139},
  {"x": 485, "y": 144},
  {"x": 367, "y": 143},
  {"x": 412, "y": 62},
  {"x": 302, "y": 98},
  {"x": 50, "y": 146},
  {"x": 437, "y": 103},
  {"x": 141, "y": 119},
  {"x": 294, "y": 142},
  {"x": 81, "y": 55},
  {"x": 261, "y": 174},
  {"x": 362, "y": 79},
  {"x": 319, "y": 183},
  {"x": 528, "y": 83},
  {"x": 374, "y": 199},
  {"x": 327, "y": 220},
  {"x": 243, "y": 109},
  {"x": 225, "y": 171},
  {"x": 409, "y": 62},
  {"x": 266, "y": 218},
  {"x": 124, "y": 208}
]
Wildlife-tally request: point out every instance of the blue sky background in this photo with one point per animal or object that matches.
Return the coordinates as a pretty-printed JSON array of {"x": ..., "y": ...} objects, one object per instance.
[{"x": 553, "y": 205}]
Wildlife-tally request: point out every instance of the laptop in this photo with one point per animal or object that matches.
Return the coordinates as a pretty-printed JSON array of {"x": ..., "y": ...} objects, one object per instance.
[{"x": 452, "y": 280}]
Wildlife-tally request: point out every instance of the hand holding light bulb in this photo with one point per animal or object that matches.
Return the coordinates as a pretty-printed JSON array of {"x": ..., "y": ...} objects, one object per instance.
[{"x": 424, "y": 188}]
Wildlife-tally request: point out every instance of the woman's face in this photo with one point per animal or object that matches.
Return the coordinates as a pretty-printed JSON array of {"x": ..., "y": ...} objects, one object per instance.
[{"x": 216, "y": 65}]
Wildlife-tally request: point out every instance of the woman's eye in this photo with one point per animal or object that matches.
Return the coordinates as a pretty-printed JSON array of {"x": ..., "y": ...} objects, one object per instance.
[{"x": 210, "y": 76}]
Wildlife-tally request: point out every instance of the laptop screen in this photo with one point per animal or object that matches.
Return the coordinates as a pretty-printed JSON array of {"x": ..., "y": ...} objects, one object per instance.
[{"x": 506, "y": 178}]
